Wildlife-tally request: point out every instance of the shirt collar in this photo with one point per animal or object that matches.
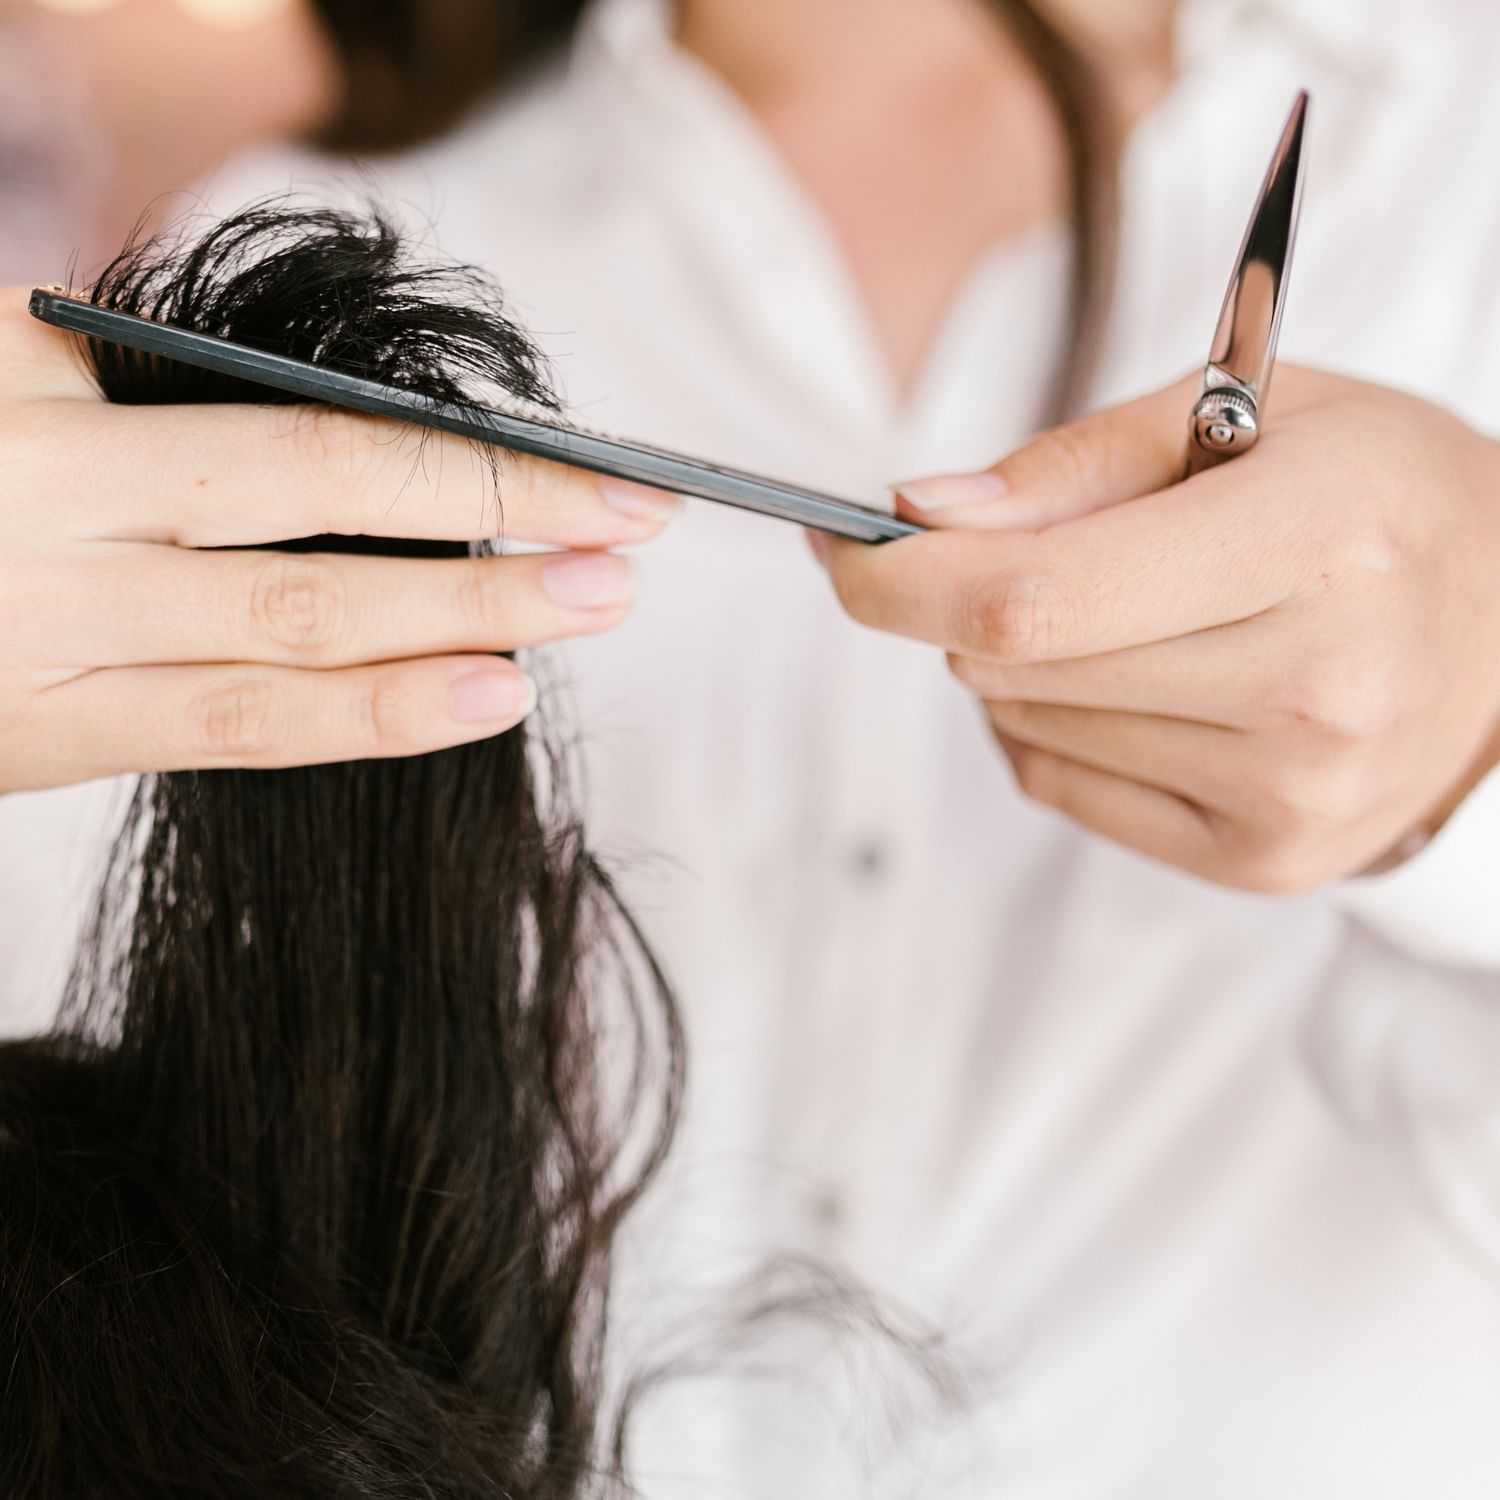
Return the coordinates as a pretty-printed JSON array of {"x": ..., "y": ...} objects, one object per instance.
[
  {"x": 624, "y": 33},
  {"x": 1348, "y": 34}
]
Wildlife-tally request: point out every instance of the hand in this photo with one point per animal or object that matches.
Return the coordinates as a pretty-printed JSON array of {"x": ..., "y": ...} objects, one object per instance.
[
  {"x": 1271, "y": 675},
  {"x": 125, "y": 648}
]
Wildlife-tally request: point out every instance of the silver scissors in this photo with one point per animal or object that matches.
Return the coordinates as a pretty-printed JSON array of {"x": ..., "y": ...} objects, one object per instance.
[{"x": 1228, "y": 417}]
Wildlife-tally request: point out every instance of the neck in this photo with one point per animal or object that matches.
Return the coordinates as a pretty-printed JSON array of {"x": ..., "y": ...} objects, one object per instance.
[
  {"x": 922, "y": 131},
  {"x": 774, "y": 46},
  {"x": 779, "y": 44}
]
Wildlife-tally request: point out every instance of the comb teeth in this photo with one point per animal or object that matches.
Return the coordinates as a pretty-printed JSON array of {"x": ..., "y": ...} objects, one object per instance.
[{"x": 557, "y": 422}]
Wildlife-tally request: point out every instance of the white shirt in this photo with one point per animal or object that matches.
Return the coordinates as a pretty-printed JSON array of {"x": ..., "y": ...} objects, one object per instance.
[{"x": 1209, "y": 1184}]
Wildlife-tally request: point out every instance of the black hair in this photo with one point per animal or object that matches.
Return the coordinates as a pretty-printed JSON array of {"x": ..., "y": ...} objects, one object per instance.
[{"x": 311, "y": 1190}]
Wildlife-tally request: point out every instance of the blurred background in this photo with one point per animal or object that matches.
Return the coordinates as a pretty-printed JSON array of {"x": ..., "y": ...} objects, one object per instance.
[{"x": 106, "y": 105}]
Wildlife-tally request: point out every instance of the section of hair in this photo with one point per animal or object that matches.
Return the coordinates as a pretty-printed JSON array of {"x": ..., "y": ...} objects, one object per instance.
[
  {"x": 312, "y": 1190},
  {"x": 319, "y": 285}
]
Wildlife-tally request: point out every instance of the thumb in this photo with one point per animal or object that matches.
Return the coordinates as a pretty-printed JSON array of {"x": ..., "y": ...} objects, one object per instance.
[{"x": 1118, "y": 454}]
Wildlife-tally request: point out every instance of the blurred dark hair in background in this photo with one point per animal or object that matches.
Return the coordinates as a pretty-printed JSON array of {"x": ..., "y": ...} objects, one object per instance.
[{"x": 416, "y": 66}]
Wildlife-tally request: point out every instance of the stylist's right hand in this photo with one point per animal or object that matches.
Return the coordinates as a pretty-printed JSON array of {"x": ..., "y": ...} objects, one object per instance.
[{"x": 126, "y": 646}]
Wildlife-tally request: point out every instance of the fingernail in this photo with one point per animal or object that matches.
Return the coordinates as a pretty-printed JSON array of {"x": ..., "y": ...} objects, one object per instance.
[
  {"x": 819, "y": 544},
  {"x": 589, "y": 580},
  {"x": 953, "y": 491},
  {"x": 639, "y": 501},
  {"x": 491, "y": 697}
]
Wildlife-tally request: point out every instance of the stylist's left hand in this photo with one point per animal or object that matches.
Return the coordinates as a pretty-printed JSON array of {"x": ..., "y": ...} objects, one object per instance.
[{"x": 1276, "y": 674}]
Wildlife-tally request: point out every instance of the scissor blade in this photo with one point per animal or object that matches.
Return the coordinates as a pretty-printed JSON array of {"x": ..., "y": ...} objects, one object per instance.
[{"x": 1245, "y": 345}]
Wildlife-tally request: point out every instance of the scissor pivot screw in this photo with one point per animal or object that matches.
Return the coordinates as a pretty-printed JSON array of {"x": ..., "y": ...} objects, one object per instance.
[{"x": 1225, "y": 422}]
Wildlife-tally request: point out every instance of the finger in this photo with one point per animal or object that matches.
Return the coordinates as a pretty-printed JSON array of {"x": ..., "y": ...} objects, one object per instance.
[
  {"x": 1111, "y": 456},
  {"x": 1213, "y": 677},
  {"x": 1225, "y": 546},
  {"x": 231, "y": 475},
  {"x": 132, "y": 719},
  {"x": 40, "y": 361},
  {"x": 1140, "y": 816},
  {"x": 166, "y": 605},
  {"x": 1204, "y": 763}
]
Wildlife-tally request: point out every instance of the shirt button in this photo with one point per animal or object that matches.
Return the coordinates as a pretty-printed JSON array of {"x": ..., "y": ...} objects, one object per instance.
[
  {"x": 870, "y": 859},
  {"x": 827, "y": 1210}
]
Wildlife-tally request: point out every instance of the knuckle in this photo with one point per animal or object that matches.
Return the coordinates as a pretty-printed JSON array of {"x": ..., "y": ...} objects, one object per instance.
[
  {"x": 1331, "y": 790},
  {"x": 521, "y": 483},
  {"x": 1017, "y": 717},
  {"x": 1283, "y": 784},
  {"x": 1274, "y": 861},
  {"x": 1067, "y": 455},
  {"x": 1337, "y": 792},
  {"x": 234, "y": 722},
  {"x": 298, "y": 603},
  {"x": 856, "y": 592},
  {"x": 343, "y": 454},
  {"x": 1010, "y": 619},
  {"x": 481, "y": 601},
  {"x": 1273, "y": 870},
  {"x": 325, "y": 440},
  {"x": 1035, "y": 773},
  {"x": 1346, "y": 703},
  {"x": 1367, "y": 543},
  {"x": 976, "y": 675},
  {"x": 384, "y": 721}
]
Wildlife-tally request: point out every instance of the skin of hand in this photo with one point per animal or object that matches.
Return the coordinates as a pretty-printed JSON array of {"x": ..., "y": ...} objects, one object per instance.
[
  {"x": 128, "y": 647},
  {"x": 1271, "y": 675}
]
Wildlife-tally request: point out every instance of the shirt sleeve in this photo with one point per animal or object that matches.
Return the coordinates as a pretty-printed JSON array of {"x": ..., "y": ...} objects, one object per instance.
[{"x": 1443, "y": 906}]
